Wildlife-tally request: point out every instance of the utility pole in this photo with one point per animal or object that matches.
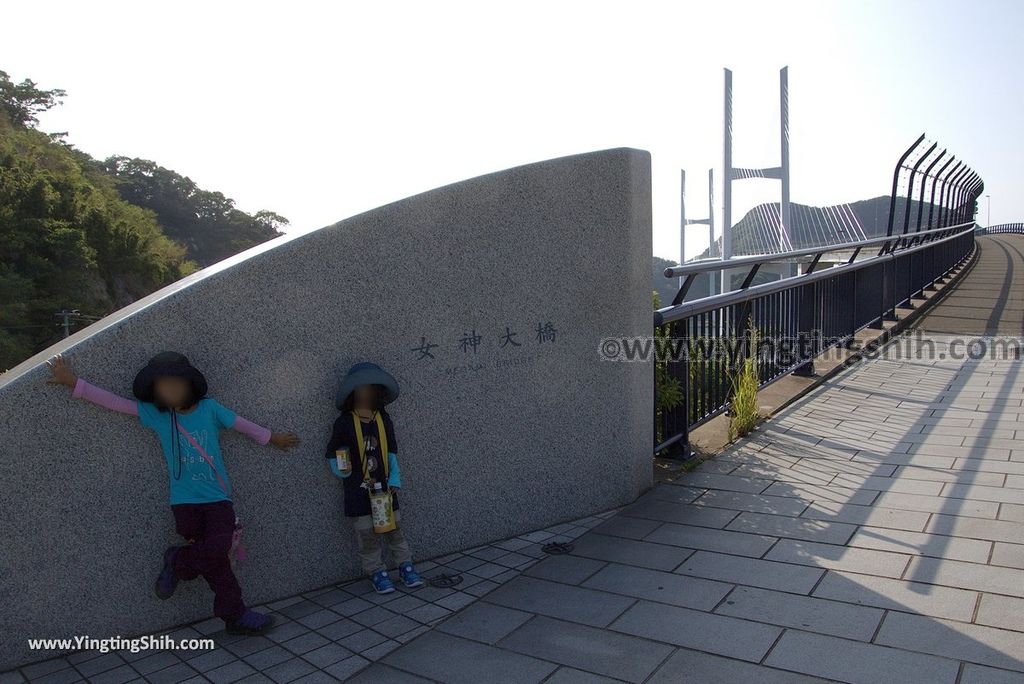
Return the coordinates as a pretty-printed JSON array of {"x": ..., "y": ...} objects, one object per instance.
[
  {"x": 67, "y": 315},
  {"x": 988, "y": 221}
]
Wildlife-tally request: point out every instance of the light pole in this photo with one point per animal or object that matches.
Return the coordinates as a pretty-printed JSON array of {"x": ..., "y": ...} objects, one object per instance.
[{"x": 988, "y": 221}]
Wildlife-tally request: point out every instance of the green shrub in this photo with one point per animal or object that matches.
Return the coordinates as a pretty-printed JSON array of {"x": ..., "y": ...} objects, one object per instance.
[{"x": 744, "y": 414}]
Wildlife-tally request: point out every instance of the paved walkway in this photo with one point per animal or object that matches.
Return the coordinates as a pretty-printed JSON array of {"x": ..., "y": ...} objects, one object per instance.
[{"x": 871, "y": 532}]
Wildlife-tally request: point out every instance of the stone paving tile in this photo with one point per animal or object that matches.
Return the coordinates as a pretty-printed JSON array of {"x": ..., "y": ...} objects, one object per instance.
[
  {"x": 664, "y": 587},
  {"x": 1011, "y": 512},
  {"x": 428, "y": 613},
  {"x": 380, "y": 650},
  {"x": 397, "y": 625},
  {"x": 692, "y": 667},
  {"x": 156, "y": 661},
  {"x": 289, "y": 670},
  {"x": 340, "y": 629},
  {"x": 975, "y": 643},
  {"x": 268, "y": 657},
  {"x": 802, "y": 612},
  {"x": 858, "y": 663},
  {"x": 780, "y": 473},
  {"x": 973, "y": 491},
  {"x": 739, "y": 543},
  {"x": 794, "y": 528},
  {"x": 624, "y": 526},
  {"x": 667, "y": 511},
  {"x": 751, "y": 571},
  {"x": 64, "y": 676},
  {"x": 988, "y": 578},
  {"x": 914, "y": 521},
  {"x": 1001, "y": 611},
  {"x": 910, "y": 473},
  {"x": 1009, "y": 555},
  {"x": 975, "y": 528},
  {"x": 103, "y": 663},
  {"x": 595, "y": 650},
  {"x": 304, "y": 643},
  {"x": 45, "y": 667},
  {"x": 938, "y": 504},
  {"x": 325, "y": 655},
  {"x": 447, "y": 658},
  {"x": 172, "y": 675},
  {"x": 575, "y": 604},
  {"x": 643, "y": 554},
  {"x": 567, "y": 569},
  {"x": 895, "y": 594},
  {"x": 672, "y": 491},
  {"x": 727, "y": 482},
  {"x": 922, "y": 544},
  {"x": 782, "y": 504},
  {"x": 381, "y": 674},
  {"x": 363, "y": 640},
  {"x": 980, "y": 674},
  {"x": 828, "y": 492},
  {"x": 699, "y": 630},
  {"x": 124, "y": 673},
  {"x": 837, "y": 557},
  {"x": 230, "y": 672},
  {"x": 484, "y": 622}
]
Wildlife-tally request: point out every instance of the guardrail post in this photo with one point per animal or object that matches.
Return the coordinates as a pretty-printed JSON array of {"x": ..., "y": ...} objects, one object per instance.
[{"x": 805, "y": 327}]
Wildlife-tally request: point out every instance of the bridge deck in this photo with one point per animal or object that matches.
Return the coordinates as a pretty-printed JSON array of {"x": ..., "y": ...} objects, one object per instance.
[{"x": 871, "y": 532}]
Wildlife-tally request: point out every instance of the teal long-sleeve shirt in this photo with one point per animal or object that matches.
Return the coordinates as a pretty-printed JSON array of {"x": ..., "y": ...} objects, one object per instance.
[{"x": 394, "y": 475}]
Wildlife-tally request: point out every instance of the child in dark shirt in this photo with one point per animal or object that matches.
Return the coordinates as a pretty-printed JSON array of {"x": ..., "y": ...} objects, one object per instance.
[{"x": 363, "y": 422}]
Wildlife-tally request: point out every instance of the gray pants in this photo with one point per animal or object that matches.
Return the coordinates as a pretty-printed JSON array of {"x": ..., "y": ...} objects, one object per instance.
[{"x": 370, "y": 552}]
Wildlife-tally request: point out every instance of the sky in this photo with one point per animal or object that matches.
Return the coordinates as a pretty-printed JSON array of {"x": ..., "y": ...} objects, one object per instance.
[{"x": 319, "y": 111}]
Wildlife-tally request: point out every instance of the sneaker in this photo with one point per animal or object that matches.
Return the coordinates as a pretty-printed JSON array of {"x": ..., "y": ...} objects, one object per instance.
[
  {"x": 250, "y": 622},
  {"x": 382, "y": 583},
  {"x": 410, "y": 577},
  {"x": 167, "y": 582}
]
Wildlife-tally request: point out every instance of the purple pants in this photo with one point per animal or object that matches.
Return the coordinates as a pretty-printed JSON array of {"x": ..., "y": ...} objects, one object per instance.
[{"x": 209, "y": 527}]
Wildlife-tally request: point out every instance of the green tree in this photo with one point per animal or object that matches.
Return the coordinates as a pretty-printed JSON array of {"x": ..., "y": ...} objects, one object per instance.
[{"x": 22, "y": 102}]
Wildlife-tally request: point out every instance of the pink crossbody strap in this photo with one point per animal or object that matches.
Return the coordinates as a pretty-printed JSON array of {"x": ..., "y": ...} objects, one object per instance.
[
  {"x": 236, "y": 539},
  {"x": 206, "y": 457}
]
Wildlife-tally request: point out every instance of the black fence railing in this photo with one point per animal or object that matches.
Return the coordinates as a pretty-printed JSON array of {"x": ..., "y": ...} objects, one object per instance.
[
  {"x": 782, "y": 325},
  {"x": 1003, "y": 228}
]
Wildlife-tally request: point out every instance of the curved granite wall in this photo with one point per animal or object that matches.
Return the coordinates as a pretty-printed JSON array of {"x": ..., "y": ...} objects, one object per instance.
[{"x": 486, "y": 299}]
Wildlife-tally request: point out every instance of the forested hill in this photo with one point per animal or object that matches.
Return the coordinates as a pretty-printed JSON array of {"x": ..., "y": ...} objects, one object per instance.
[{"x": 82, "y": 234}]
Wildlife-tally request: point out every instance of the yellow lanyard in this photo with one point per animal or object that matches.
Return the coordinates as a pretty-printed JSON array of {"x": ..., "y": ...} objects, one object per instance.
[{"x": 381, "y": 434}]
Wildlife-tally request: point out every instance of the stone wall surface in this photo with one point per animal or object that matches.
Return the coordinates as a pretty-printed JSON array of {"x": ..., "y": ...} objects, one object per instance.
[{"x": 486, "y": 299}]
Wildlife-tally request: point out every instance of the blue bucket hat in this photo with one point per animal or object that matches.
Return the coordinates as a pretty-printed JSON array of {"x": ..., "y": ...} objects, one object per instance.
[{"x": 366, "y": 373}]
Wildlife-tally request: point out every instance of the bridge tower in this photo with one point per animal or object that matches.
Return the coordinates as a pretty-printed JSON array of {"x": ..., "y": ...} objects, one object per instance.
[{"x": 731, "y": 173}]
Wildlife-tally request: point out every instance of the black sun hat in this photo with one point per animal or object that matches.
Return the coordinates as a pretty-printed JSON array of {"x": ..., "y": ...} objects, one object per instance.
[{"x": 165, "y": 364}]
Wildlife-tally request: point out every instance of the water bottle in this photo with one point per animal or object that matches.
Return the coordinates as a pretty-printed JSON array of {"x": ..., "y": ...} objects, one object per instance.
[{"x": 381, "y": 509}]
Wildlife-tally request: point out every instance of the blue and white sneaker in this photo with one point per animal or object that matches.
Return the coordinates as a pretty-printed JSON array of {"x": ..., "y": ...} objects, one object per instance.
[
  {"x": 382, "y": 583},
  {"x": 410, "y": 577}
]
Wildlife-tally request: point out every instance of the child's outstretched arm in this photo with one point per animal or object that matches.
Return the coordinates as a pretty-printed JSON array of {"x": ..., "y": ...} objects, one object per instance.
[
  {"x": 63, "y": 375},
  {"x": 260, "y": 434}
]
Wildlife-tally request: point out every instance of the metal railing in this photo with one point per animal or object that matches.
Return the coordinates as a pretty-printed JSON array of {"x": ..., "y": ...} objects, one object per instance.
[
  {"x": 782, "y": 325},
  {"x": 1003, "y": 228}
]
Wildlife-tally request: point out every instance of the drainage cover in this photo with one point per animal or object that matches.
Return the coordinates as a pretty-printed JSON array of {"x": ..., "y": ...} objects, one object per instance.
[
  {"x": 445, "y": 581},
  {"x": 557, "y": 548}
]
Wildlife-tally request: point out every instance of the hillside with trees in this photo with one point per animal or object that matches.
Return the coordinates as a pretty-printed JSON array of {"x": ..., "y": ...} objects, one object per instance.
[{"x": 81, "y": 234}]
